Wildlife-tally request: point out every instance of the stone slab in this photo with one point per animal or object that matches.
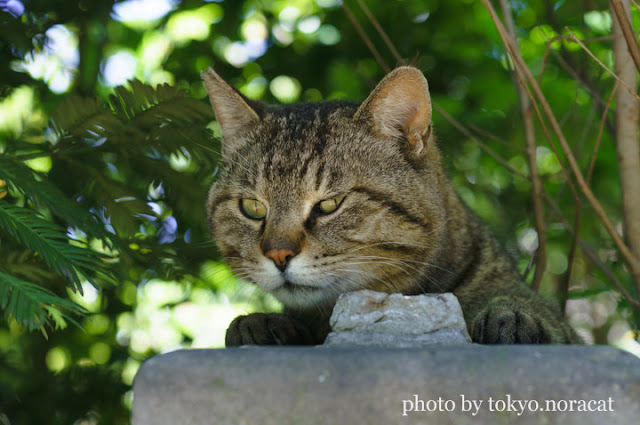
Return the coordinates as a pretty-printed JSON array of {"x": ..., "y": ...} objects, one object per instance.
[{"x": 372, "y": 386}]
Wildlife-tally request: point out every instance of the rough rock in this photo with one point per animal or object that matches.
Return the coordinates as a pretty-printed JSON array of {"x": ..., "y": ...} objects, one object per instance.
[{"x": 366, "y": 318}]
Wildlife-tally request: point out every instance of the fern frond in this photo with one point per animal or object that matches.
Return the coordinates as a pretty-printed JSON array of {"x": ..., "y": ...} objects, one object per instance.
[
  {"x": 122, "y": 202},
  {"x": 34, "y": 306},
  {"x": 133, "y": 115},
  {"x": 43, "y": 193},
  {"x": 169, "y": 139},
  {"x": 179, "y": 112},
  {"x": 79, "y": 116},
  {"x": 164, "y": 102},
  {"x": 51, "y": 243}
]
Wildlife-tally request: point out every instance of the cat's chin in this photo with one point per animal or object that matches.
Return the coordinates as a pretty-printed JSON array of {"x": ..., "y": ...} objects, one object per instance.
[{"x": 303, "y": 296}]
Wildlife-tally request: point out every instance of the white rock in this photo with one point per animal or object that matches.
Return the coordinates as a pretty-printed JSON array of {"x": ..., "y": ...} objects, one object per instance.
[{"x": 374, "y": 318}]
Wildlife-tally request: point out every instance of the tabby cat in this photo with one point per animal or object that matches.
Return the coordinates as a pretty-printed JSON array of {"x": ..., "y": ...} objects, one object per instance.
[{"x": 315, "y": 200}]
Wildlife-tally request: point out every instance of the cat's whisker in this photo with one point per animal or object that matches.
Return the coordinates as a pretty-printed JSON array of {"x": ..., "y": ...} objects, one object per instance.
[
  {"x": 384, "y": 243},
  {"x": 401, "y": 261},
  {"x": 215, "y": 151},
  {"x": 247, "y": 293},
  {"x": 431, "y": 265},
  {"x": 400, "y": 243},
  {"x": 212, "y": 273},
  {"x": 369, "y": 277},
  {"x": 390, "y": 264},
  {"x": 417, "y": 277},
  {"x": 230, "y": 279},
  {"x": 425, "y": 263},
  {"x": 208, "y": 242},
  {"x": 395, "y": 264}
]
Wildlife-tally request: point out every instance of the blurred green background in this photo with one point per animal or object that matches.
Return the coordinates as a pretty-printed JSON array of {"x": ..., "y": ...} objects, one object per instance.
[{"x": 119, "y": 170}]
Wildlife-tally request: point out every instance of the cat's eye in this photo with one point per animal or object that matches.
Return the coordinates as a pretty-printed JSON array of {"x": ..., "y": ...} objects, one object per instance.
[
  {"x": 253, "y": 209},
  {"x": 330, "y": 205}
]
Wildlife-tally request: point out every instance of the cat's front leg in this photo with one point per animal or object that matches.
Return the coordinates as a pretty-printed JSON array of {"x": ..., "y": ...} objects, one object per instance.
[
  {"x": 267, "y": 329},
  {"x": 511, "y": 320}
]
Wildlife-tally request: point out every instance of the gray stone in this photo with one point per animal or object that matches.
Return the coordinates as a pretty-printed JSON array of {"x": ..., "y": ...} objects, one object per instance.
[
  {"x": 382, "y": 339},
  {"x": 395, "y": 320},
  {"x": 352, "y": 386}
]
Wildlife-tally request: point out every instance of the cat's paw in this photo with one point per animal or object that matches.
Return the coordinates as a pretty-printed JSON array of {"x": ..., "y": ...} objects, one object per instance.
[
  {"x": 504, "y": 321},
  {"x": 267, "y": 329}
]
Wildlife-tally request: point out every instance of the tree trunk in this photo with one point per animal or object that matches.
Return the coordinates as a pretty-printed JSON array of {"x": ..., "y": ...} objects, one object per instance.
[{"x": 627, "y": 110}]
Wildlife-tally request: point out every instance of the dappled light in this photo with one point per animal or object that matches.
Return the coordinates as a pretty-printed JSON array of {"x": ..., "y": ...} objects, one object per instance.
[{"x": 57, "y": 62}]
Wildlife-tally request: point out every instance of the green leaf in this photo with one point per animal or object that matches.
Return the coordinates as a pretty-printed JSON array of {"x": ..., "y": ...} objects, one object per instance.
[
  {"x": 51, "y": 243},
  {"x": 34, "y": 306}
]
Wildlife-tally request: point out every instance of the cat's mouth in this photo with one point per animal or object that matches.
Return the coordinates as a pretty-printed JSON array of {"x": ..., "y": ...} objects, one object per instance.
[
  {"x": 290, "y": 286},
  {"x": 300, "y": 295}
]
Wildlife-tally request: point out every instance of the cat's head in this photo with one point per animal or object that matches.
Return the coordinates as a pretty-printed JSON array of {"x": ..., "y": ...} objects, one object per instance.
[{"x": 315, "y": 200}]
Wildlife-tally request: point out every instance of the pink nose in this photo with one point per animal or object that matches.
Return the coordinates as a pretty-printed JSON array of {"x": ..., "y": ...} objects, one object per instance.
[{"x": 280, "y": 257}]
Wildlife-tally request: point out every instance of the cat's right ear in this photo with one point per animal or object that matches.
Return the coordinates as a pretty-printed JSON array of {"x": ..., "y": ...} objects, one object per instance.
[
  {"x": 400, "y": 108},
  {"x": 232, "y": 109}
]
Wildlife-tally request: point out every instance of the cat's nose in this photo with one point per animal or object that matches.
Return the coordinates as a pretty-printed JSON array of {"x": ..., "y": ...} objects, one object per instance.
[{"x": 280, "y": 257}]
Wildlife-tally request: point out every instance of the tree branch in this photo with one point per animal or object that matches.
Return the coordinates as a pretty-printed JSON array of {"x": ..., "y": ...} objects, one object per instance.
[
  {"x": 530, "y": 142},
  {"x": 380, "y": 31},
  {"x": 363, "y": 35},
  {"x": 495, "y": 138},
  {"x": 603, "y": 119}
]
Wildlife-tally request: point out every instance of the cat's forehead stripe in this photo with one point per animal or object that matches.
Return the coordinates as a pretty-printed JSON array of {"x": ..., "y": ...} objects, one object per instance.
[{"x": 297, "y": 145}]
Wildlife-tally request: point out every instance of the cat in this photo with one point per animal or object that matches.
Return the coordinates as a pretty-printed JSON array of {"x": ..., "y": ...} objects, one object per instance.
[{"x": 318, "y": 199}]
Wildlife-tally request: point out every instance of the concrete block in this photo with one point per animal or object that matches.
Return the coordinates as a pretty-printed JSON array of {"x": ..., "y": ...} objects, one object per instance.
[{"x": 453, "y": 385}]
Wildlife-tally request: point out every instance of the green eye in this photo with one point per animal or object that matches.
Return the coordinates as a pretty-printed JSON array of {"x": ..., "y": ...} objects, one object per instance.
[
  {"x": 253, "y": 209},
  {"x": 330, "y": 205}
]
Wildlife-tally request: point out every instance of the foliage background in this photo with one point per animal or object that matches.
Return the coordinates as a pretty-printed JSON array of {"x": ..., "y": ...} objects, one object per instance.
[{"x": 121, "y": 173}]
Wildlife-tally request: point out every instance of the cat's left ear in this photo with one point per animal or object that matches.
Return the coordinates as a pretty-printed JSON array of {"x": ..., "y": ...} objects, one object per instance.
[
  {"x": 234, "y": 112},
  {"x": 400, "y": 107}
]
